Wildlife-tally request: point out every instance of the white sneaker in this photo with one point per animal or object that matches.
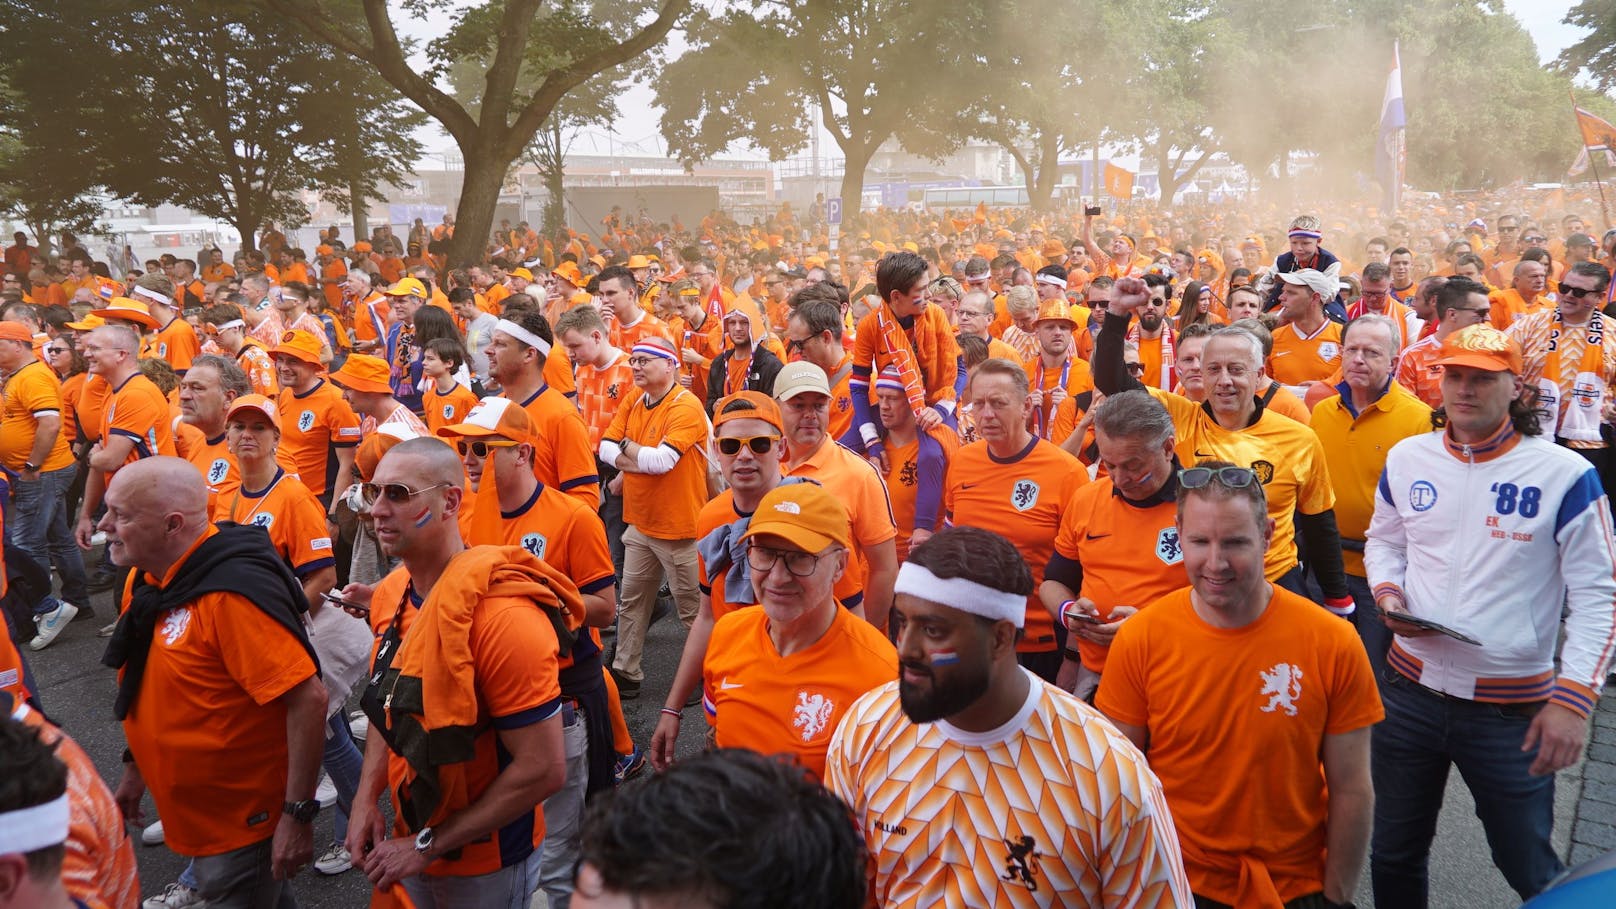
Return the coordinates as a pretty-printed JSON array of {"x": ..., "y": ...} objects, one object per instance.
[
  {"x": 360, "y": 725},
  {"x": 52, "y": 624},
  {"x": 334, "y": 860},
  {"x": 174, "y": 896},
  {"x": 152, "y": 835},
  {"x": 326, "y": 792}
]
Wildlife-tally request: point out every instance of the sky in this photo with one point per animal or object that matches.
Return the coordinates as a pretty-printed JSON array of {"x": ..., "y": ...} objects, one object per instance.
[{"x": 637, "y": 129}]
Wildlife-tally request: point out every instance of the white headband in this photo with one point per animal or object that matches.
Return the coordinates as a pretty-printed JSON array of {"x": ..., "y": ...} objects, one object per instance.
[
  {"x": 226, "y": 326},
  {"x": 30, "y": 829},
  {"x": 962, "y": 594},
  {"x": 978, "y": 277},
  {"x": 523, "y": 335},
  {"x": 1050, "y": 280},
  {"x": 153, "y": 296}
]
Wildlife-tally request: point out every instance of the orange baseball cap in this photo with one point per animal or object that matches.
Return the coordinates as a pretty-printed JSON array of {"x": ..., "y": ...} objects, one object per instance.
[
  {"x": 258, "y": 404},
  {"x": 299, "y": 345},
  {"x": 805, "y": 514},
  {"x": 365, "y": 373},
  {"x": 521, "y": 273},
  {"x": 1055, "y": 310},
  {"x": 407, "y": 287},
  {"x": 638, "y": 262},
  {"x": 492, "y": 417},
  {"x": 1481, "y": 347},
  {"x": 379, "y": 443},
  {"x": 90, "y": 323},
  {"x": 15, "y": 331},
  {"x": 128, "y": 310},
  {"x": 762, "y": 408},
  {"x": 569, "y": 271}
]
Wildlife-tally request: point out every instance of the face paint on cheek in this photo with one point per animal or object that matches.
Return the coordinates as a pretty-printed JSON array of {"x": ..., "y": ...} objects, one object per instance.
[
  {"x": 422, "y": 519},
  {"x": 944, "y": 658}
]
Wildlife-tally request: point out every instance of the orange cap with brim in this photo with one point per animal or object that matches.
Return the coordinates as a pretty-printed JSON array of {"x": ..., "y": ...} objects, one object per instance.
[
  {"x": 521, "y": 273},
  {"x": 569, "y": 271},
  {"x": 1481, "y": 347},
  {"x": 91, "y": 322},
  {"x": 762, "y": 408},
  {"x": 365, "y": 373},
  {"x": 407, "y": 287},
  {"x": 377, "y": 444},
  {"x": 258, "y": 404},
  {"x": 299, "y": 345},
  {"x": 804, "y": 514},
  {"x": 15, "y": 331},
  {"x": 127, "y": 310},
  {"x": 1056, "y": 310},
  {"x": 492, "y": 417},
  {"x": 635, "y": 262}
]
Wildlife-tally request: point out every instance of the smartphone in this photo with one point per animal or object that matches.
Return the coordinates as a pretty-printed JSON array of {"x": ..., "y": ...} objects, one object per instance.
[
  {"x": 1433, "y": 626},
  {"x": 1092, "y": 211},
  {"x": 1073, "y": 614},
  {"x": 337, "y": 601}
]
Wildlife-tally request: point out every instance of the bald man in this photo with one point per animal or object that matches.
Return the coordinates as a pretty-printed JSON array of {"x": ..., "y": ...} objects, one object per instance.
[
  {"x": 211, "y": 641},
  {"x": 136, "y": 423},
  {"x": 502, "y": 609}
]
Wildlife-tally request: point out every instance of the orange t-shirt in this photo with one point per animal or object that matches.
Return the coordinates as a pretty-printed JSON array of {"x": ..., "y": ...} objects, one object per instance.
[
  {"x": 446, "y": 409},
  {"x": 94, "y": 395},
  {"x": 72, "y": 390},
  {"x": 211, "y": 458},
  {"x": 1022, "y": 497},
  {"x": 562, "y": 457},
  {"x": 909, "y": 471},
  {"x": 721, "y": 510},
  {"x": 1417, "y": 370},
  {"x": 292, "y": 516},
  {"x": 31, "y": 393},
  {"x": 789, "y": 705},
  {"x": 624, "y": 337},
  {"x": 558, "y": 373},
  {"x": 1220, "y": 703},
  {"x": 177, "y": 343},
  {"x": 254, "y": 361},
  {"x": 601, "y": 393},
  {"x": 207, "y": 729},
  {"x": 336, "y": 271},
  {"x": 1311, "y": 358},
  {"x": 841, "y": 398},
  {"x": 514, "y": 649},
  {"x": 1507, "y": 305},
  {"x": 665, "y": 505},
  {"x": 858, "y": 486},
  {"x": 708, "y": 343},
  {"x": 314, "y": 425},
  {"x": 138, "y": 412},
  {"x": 1044, "y": 379},
  {"x": 98, "y": 865},
  {"x": 1130, "y": 553},
  {"x": 213, "y": 274}
]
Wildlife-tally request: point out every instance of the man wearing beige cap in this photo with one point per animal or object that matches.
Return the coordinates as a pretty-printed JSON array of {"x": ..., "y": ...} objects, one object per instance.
[
  {"x": 779, "y": 678},
  {"x": 803, "y": 391}
]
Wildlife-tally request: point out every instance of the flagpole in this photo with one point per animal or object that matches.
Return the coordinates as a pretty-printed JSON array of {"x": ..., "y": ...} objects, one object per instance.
[{"x": 1593, "y": 162}]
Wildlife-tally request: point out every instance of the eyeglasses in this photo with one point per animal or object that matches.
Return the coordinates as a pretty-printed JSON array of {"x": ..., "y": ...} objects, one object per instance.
[
  {"x": 799, "y": 564},
  {"x": 731, "y": 445},
  {"x": 396, "y": 493},
  {"x": 479, "y": 448},
  {"x": 642, "y": 362},
  {"x": 1135, "y": 368},
  {"x": 1576, "y": 293},
  {"x": 53, "y": 351},
  {"x": 1534, "y": 239},
  {"x": 795, "y": 346},
  {"x": 1508, "y": 230},
  {"x": 1230, "y": 477}
]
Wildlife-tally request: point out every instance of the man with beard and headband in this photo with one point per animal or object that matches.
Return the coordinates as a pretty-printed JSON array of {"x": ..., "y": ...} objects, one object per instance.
[{"x": 1056, "y": 808}]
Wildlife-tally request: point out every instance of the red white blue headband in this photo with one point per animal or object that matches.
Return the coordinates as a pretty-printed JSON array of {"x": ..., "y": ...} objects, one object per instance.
[
  {"x": 1309, "y": 234},
  {"x": 651, "y": 350}
]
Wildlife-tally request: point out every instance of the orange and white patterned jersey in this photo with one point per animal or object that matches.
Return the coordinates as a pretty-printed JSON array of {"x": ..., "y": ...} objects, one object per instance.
[{"x": 1055, "y": 808}]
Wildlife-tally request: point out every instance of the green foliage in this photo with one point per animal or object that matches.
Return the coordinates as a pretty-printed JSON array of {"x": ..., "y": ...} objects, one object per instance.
[
  {"x": 42, "y": 186},
  {"x": 1595, "y": 54}
]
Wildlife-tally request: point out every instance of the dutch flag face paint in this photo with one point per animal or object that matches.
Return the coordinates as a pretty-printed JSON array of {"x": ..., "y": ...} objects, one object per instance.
[{"x": 944, "y": 658}]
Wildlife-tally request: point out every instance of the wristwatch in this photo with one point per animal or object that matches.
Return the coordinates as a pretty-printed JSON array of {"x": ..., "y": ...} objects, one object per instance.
[
  {"x": 30, "y": 467},
  {"x": 303, "y": 812},
  {"x": 423, "y": 840}
]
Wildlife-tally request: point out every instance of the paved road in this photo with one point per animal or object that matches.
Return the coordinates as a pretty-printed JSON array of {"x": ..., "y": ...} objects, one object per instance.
[{"x": 78, "y": 694}]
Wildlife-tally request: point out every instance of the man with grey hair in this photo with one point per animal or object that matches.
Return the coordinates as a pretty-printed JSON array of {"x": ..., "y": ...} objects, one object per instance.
[
  {"x": 1358, "y": 426},
  {"x": 1117, "y": 549},
  {"x": 206, "y": 392},
  {"x": 1234, "y": 425},
  {"x": 975, "y": 314}
]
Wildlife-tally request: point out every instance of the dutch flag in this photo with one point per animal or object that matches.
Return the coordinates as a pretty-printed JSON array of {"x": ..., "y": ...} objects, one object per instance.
[{"x": 1389, "y": 146}]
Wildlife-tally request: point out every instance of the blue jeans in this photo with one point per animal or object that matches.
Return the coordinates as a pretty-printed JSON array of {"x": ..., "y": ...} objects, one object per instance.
[
  {"x": 37, "y": 523},
  {"x": 1423, "y": 734},
  {"x": 1376, "y": 637},
  {"x": 342, "y": 761}
]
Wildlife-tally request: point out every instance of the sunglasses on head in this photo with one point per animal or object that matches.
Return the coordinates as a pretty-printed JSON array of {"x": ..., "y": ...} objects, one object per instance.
[
  {"x": 479, "y": 447},
  {"x": 396, "y": 493},
  {"x": 1231, "y": 477},
  {"x": 731, "y": 445}
]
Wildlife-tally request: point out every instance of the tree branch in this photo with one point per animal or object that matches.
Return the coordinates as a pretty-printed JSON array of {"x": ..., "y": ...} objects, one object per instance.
[{"x": 502, "y": 70}]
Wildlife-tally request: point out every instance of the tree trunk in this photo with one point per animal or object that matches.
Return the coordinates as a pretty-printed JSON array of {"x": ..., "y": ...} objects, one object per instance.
[
  {"x": 1045, "y": 167},
  {"x": 555, "y": 205},
  {"x": 247, "y": 225},
  {"x": 479, "y": 197},
  {"x": 361, "y": 213},
  {"x": 855, "y": 162}
]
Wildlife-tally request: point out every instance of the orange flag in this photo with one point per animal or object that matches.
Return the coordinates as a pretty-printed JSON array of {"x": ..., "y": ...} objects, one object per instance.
[
  {"x": 981, "y": 216},
  {"x": 1118, "y": 182},
  {"x": 1596, "y": 132}
]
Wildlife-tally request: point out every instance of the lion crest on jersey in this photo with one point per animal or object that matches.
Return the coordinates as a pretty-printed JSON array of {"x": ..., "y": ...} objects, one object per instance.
[
  {"x": 1282, "y": 686},
  {"x": 535, "y": 543},
  {"x": 448, "y": 411},
  {"x": 811, "y": 715},
  {"x": 305, "y": 421},
  {"x": 1328, "y": 351},
  {"x": 1168, "y": 548},
  {"x": 218, "y": 470},
  {"x": 1024, "y": 495},
  {"x": 262, "y": 520},
  {"x": 1264, "y": 471},
  {"x": 175, "y": 623}
]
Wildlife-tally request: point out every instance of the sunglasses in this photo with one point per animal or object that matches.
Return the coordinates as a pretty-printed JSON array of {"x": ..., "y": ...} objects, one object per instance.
[
  {"x": 1135, "y": 368},
  {"x": 1576, "y": 293},
  {"x": 479, "y": 448},
  {"x": 731, "y": 445},
  {"x": 53, "y": 351},
  {"x": 396, "y": 493},
  {"x": 1534, "y": 239},
  {"x": 1230, "y": 477}
]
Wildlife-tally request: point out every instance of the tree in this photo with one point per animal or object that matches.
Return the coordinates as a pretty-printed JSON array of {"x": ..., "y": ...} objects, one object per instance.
[
  {"x": 1175, "y": 91},
  {"x": 236, "y": 126},
  {"x": 45, "y": 188},
  {"x": 873, "y": 70},
  {"x": 520, "y": 89},
  {"x": 1595, "y": 54}
]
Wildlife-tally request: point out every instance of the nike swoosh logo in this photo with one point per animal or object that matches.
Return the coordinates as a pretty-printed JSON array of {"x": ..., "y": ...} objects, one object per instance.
[
  {"x": 1201, "y": 454},
  {"x": 964, "y": 486},
  {"x": 1096, "y": 536},
  {"x": 725, "y": 685}
]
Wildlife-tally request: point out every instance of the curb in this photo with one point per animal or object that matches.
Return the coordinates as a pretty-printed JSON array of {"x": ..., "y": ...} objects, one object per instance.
[{"x": 1593, "y": 830}]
